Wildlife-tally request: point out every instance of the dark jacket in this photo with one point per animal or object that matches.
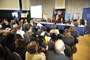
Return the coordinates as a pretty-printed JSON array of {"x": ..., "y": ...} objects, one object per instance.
[
  {"x": 51, "y": 55},
  {"x": 68, "y": 41}
]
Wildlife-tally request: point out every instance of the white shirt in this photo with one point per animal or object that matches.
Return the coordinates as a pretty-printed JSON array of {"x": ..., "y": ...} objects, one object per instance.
[
  {"x": 21, "y": 32},
  {"x": 40, "y": 25}
]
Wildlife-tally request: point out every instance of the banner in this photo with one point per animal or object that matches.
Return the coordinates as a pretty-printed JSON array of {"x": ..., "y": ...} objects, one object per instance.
[
  {"x": 76, "y": 16},
  {"x": 67, "y": 15}
]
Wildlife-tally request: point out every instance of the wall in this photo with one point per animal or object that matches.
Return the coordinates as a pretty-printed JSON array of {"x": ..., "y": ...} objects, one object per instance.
[
  {"x": 9, "y": 5},
  {"x": 76, "y": 6},
  {"x": 47, "y": 6}
]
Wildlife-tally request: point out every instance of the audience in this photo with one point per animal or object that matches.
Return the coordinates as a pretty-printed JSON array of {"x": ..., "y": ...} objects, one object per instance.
[
  {"x": 20, "y": 31},
  {"x": 29, "y": 32},
  {"x": 21, "y": 47},
  {"x": 31, "y": 22},
  {"x": 67, "y": 39},
  {"x": 54, "y": 30},
  {"x": 32, "y": 53},
  {"x": 10, "y": 42},
  {"x": 58, "y": 54}
]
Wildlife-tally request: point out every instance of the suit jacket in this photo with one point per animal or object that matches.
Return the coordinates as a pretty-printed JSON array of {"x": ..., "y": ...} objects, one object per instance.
[
  {"x": 68, "y": 41},
  {"x": 51, "y": 55},
  {"x": 61, "y": 21}
]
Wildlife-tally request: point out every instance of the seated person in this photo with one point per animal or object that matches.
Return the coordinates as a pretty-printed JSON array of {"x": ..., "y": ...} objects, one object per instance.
[
  {"x": 75, "y": 23},
  {"x": 29, "y": 32},
  {"x": 39, "y": 24},
  {"x": 31, "y": 22},
  {"x": 32, "y": 53},
  {"x": 44, "y": 20},
  {"x": 20, "y": 31},
  {"x": 73, "y": 33},
  {"x": 25, "y": 25},
  {"x": 10, "y": 42},
  {"x": 66, "y": 21},
  {"x": 72, "y": 22},
  {"x": 58, "y": 54},
  {"x": 67, "y": 39},
  {"x": 62, "y": 21},
  {"x": 51, "y": 20},
  {"x": 21, "y": 47},
  {"x": 17, "y": 21},
  {"x": 54, "y": 30},
  {"x": 12, "y": 23},
  {"x": 78, "y": 21},
  {"x": 42, "y": 31},
  {"x": 86, "y": 25}
]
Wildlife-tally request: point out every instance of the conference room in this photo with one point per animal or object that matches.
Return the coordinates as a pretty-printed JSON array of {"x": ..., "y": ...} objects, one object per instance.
[{"x": 44, "y": 29}]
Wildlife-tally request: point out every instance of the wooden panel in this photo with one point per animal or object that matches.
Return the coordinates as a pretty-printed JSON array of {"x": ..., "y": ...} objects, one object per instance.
[{"x": 59, "y": 3}]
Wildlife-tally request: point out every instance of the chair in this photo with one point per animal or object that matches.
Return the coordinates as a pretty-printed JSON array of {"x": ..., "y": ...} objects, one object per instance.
[
  {"x": 9, "y": 53},
  {"x": 2, "y": 50},
  {"x": 68, "y": 51},
  {"x": 32, "y": 39},
  {"x": 43, "y": 44},
  {"x": 17, "y": 56},
  {"x": 51, "y": 45},
  {"x": 60, "y": 36},
  {"x": 46, "y": 34},
  {"x": 24, "y": 29},
  {"x": 38, "y": 27},
  {"x": 39, "y": 32},
  {"x": 27, "y": 38},
  {"x": 53, "y": 36},
  {"x": 34, "y": 31},
  {"x": 19, "y": 36}
]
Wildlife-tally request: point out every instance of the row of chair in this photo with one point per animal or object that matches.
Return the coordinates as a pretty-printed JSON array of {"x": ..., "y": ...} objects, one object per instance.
[{"x": 14, "y": 56}]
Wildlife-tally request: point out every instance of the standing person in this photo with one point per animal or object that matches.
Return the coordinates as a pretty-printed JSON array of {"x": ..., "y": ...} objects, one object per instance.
[
  {"x": 86, "y": 25},
  {"x": 58, "y": 54}
]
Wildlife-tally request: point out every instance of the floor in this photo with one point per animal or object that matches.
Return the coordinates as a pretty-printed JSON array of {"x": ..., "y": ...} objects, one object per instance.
[{"x": 83, "y": 48}]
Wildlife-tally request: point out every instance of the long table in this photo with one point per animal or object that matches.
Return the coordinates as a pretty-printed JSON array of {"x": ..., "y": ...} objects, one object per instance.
[{"x": 80, "y": 29}]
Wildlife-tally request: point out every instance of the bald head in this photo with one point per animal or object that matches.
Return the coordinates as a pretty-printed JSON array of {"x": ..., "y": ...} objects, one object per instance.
[{"x": 59, "y": 46}]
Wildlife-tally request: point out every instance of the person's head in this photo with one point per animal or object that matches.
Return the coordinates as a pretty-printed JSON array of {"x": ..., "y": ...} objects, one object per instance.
[
  {"x": 57, "y": 16},
  {"x": 39, "y": 21},
  {"x": 10, "y": 37},
  {"x": 21, "y": 43},
  {"x": 17, "y": 18},
  {"x": 78, "y": 20},
  {"x": 48, "y": 29},
  {"x": 67, "y": 33},
  {"x": 25, "y": 20},
  {"x": 31, "y": 21},
  {"x": 66, "y": 19},
  {"x": 32, "y": 47},
  {"x": 42, "y": 29},
  {"x": 54, "y": 26},
  {"x": 12, "y": 21},
  {"x": 59, "y": 46},
  {"x": 19, "y": 27},
  {"x": 85, "y": 20},
  {"x": 61, "y": 19},
  {"x": 75, "y": 23},
  {"x": 72, "y": 28}
]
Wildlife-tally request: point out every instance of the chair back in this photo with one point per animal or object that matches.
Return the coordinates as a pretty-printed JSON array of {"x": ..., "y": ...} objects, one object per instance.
[
  {"x": 51, "y": 45},
  {"x": 32, "y": 39},
  {"x": 53, "y": 36},
  {"x": 38, "y": 27},
  {"x": 67, "y": 51},
  {"x": 19, "y": 36},
  {"x": 17, "y": 56},
  {"x": 60, "y": 36},
  {"x": 43, "y": 44},
  {"x": 2, "y": 49},
  {"x": 9, "y": 52},
  {"x": 34, "y": 31},
  {"x": 46, "y": 34},
  {"x": 73, "y": 40},
  {"x": 39, "y": 32},
  {"x": 27, "y": 38}
]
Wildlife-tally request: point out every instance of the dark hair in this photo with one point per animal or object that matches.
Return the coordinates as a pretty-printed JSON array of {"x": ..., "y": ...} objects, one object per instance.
[
  {"x": 21, "y": 43},
  {"x": 67, "y": 33},
  {"x": 31, "y": 47},
  {"x": 48, "y": 29}
]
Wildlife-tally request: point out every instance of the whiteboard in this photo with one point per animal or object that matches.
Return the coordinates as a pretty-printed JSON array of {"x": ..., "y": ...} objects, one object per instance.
[{"x": 36, "y": 11}]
